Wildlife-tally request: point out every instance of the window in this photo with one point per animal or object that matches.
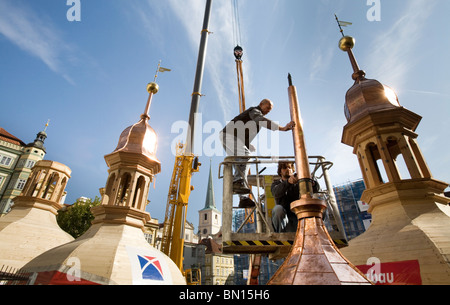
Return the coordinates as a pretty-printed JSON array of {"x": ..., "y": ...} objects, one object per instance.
[
  {"x": 148, "y": 237},
  {"x": 30, "y": 163},
  {"x": 206, "y": 216},
  {"x": 5, "y": 160},
  {"x": 21, "y": 184}
]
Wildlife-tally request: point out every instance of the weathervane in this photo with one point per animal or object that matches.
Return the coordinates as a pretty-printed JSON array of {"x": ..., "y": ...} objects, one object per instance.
[
  {"x": 342, "y": 24},
  {"x": 160, "y": 69},
  {"x": 46, "y": 125},
  {"x": 346, "y": 44},
  {"x": 153, "y": 88}
]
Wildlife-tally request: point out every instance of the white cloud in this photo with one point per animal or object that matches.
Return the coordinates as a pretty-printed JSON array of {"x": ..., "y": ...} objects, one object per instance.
[
  {"x": 427, "y": 92},
  {"x": 220, "y": 45},
  {"x": 320, "y": 62},
  {"x": 345, "y": 163},
  {"x": 392, "y": 52},
  {"x": 27, "y": 31},
  {"x": 219, "y": 62}
]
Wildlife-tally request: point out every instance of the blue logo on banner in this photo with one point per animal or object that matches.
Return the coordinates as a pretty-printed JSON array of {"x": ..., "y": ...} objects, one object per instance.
[{"x": 151, "y": 268}]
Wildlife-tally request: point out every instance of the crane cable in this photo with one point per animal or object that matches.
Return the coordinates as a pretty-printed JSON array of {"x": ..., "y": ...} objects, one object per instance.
[
  {"x": 236, "y": 22},
  {"x": 238, "y": 52},
  {"x": 255, "y": 259}
]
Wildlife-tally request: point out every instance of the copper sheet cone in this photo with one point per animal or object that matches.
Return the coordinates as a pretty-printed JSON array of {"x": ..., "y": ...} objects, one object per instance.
[{"x": 315, "y": 260}]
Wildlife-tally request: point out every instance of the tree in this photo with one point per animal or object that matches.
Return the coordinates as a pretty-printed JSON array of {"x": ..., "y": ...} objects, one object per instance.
[{"x": 76, "y": 219}]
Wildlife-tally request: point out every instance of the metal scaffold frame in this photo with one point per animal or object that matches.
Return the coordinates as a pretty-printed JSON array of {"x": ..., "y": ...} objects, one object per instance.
[{"x": 268, "y": 242}]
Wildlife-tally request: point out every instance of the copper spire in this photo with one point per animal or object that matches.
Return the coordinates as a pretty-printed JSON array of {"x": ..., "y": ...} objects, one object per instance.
[
  {"x": 314, "y": 259},
  {"x": 346, "y": 44},
  {"x": 366, "y": 95},
  {"x": 152, "y": 88}
]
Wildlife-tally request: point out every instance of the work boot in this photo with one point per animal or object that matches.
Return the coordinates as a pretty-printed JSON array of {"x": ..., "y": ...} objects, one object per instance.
[
  {"x": 240, "y": 188},
  {"x": 246, "y": 203}
]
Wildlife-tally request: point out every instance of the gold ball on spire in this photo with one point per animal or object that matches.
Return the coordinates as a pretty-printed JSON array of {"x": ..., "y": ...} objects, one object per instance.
[
  {"x": 153, "y": 88},
  {"x": 346, "y": 43}
]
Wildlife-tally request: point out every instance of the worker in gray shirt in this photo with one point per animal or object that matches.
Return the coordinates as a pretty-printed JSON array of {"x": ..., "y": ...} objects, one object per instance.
[{"x": 236, "y": 138}]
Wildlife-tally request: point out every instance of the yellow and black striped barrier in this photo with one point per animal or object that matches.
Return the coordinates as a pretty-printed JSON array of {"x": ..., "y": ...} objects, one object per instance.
[
  {"x": 338, "y": 242},
  {"x": 259, "y": 243}
]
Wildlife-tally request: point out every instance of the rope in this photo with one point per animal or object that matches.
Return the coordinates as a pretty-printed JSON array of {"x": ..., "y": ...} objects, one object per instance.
[{"x": 236, "y": 22}]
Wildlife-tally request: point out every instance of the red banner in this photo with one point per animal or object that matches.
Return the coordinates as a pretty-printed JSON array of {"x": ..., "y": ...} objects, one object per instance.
[
  {"x": 58, "y": 278},
  {"x": 395, "y": 273}
]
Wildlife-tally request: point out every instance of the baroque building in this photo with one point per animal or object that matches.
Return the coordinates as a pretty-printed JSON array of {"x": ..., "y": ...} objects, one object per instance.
[
  {"x": 16, "y": 161},
  {"x": 217, "y": 268}
]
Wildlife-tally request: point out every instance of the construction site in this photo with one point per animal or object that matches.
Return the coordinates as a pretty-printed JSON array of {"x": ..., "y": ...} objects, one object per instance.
[{"x": 396, "y": 230}]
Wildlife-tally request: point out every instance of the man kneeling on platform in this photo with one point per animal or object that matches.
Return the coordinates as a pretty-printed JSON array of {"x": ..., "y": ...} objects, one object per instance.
[{"x": 285, "y": 191}]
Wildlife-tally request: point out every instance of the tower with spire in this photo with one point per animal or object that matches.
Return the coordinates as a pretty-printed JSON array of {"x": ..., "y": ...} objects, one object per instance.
[
  {"x": 410, "y": 216},
  {"x": 22, "y": 159},
  {"x": 210, "y": 218},
  {"x": 114, "y": 249}
]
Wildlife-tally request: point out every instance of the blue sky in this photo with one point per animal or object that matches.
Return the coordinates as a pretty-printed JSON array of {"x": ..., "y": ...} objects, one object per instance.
[{"x": 89, "y": 77}]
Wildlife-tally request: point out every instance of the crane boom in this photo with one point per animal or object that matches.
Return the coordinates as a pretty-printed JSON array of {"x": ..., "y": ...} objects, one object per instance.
[
  {"x": 196, "y": 94},
  {"x": 185, "y": 165}
]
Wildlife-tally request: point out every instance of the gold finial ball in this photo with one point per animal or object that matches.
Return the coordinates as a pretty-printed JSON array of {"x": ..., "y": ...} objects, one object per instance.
[
  {"x": 152, "y": 88},
  {"x": 346, "y": 43}
]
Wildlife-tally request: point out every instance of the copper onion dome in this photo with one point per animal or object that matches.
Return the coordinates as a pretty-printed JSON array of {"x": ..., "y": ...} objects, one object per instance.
[
  {"x": 366, "y": 95},
  {"x": 139, "y": 138}
]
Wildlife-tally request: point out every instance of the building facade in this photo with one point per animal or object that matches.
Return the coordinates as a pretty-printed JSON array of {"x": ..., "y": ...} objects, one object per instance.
[
  {"x": 16, "y": 160},
  {"x": 217, "y": 268}
]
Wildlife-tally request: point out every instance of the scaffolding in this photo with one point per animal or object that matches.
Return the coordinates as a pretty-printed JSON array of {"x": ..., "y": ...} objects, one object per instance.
[
  {"x": 354, "y": 213},
  {"x": 276, "y": 246}
]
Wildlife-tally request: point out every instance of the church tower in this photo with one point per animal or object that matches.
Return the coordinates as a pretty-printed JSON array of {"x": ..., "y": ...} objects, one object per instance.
[
  {"x": 410, "y": 216},
  {"x": 210, "y": 218},
  {"x": 114, "y": 250}
]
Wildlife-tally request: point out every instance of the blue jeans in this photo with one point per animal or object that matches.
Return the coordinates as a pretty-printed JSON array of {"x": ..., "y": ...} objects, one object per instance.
[{"x": 281, "y": 221}]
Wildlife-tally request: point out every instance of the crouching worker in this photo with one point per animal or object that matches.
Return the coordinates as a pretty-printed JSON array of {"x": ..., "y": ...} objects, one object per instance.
[{"x": 285, "y": 191}]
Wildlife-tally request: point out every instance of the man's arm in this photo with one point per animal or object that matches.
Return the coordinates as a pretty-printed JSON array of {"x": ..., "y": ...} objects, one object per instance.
[
  {"x": 289, "y": 126},
  {"x": 257, "y": 116}
]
